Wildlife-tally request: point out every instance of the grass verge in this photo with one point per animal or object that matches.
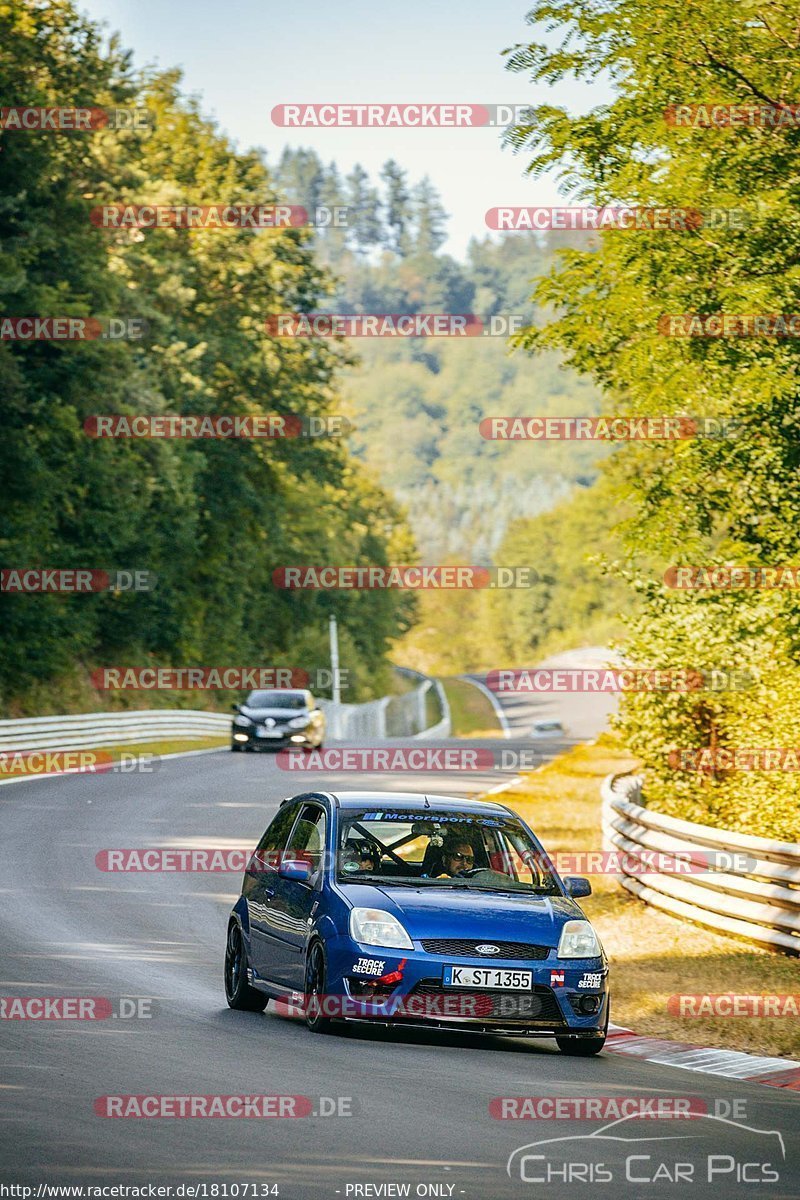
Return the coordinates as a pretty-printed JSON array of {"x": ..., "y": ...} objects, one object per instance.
[
  {"x": 25, "y": 764},
  {"x": 471, "y": 712},
  {"x": 653, "y": 955}
]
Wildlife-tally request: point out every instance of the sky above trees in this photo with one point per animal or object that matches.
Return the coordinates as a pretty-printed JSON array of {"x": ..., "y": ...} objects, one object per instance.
[{"x": 246, "y": 63}]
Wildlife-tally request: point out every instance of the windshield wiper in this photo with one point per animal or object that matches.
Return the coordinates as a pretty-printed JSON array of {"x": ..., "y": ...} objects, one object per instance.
[
  {"x": 399, "y": 882},
  {"x": 497, "y": 891},
  {"x": 379, "y": 879}
]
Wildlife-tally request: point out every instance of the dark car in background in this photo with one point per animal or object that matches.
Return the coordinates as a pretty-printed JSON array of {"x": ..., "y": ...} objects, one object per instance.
[{"x": 282, "y": 718}]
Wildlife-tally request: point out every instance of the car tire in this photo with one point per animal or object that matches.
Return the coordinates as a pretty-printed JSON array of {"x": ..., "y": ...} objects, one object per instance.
[
  {"x": 316, "y": 975},
  {"x": 235, "y": 747},
  {"x": 580, "y": 1047},
  {"x": 238, "y": 992}
]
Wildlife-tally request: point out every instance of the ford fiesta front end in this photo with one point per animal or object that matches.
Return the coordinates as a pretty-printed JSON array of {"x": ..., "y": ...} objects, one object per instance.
[{"x": 428, "y": 911}]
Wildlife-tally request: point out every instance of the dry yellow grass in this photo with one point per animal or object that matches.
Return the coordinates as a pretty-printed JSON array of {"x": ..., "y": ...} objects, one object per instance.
[
  {"x": 100, "y": 756},
  {"x": 653, "y": 955},
  {"x": 471, "y": 711}
]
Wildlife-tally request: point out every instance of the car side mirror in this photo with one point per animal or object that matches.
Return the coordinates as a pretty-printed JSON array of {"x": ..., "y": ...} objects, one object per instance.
[
  {"x": 234, "y": 708},
  {"x": 295, "y": 868},
  {"x": 577, "y": 886}
]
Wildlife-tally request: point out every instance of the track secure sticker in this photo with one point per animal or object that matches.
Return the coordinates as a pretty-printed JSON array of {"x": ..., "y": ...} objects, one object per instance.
[
  {"x": 369, "y": 966},
  {"x": 591, "y": 980}
]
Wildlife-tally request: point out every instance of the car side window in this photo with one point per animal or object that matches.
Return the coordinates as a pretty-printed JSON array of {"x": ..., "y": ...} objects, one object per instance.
[
  {"x": 274, "y": 840},
  {"x": 308, "y": 839}
]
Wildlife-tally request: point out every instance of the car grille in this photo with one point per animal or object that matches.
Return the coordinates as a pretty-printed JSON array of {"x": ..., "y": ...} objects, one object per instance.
[
  {"x": 465, "y": 948},
  {"x": 536, "y": 1007}
]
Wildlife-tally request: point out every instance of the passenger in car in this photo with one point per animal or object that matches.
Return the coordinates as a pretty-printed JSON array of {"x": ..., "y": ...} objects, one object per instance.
[{"x": 361, "y": 856}]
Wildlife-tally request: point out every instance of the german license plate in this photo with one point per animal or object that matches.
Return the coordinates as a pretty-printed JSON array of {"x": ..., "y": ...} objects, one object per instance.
[
  {"x": 488, "y": 977},
  {"x": 272, "y": 733}
]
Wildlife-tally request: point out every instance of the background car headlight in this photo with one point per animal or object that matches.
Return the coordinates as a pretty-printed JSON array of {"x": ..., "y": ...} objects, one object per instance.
[
  {"x": 375, "y": 927},
  {"x": 242, "y": 721},
  {"x": 578, "y": 940},
  {"x": 298, "y": 722}
]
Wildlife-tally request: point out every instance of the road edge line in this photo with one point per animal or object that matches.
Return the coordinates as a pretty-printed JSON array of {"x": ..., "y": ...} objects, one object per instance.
[{"x": 78, "y": 771}]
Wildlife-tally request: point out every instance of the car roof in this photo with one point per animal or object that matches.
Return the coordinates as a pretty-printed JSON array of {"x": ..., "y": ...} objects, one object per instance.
[{"x": 416, "y": 802}]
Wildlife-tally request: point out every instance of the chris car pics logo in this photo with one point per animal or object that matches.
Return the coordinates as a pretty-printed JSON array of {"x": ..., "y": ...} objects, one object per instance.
[{"x": 717, "y": 1151}]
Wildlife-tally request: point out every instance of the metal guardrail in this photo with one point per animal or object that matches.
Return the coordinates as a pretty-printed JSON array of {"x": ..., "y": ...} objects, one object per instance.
[
  {"x": 736, "y": 883},
  {"x": 444, "y": 727},
  {"x": 391, "y": 716},
  {"x": 109, "y": 729},
  {"x": 404, "y": 715}
]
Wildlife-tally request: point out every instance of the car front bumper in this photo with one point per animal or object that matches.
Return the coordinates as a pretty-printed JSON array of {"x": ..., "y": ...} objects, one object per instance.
[
  {"x": 367, "y": 983},
  {"x": 297, "y": 739}
]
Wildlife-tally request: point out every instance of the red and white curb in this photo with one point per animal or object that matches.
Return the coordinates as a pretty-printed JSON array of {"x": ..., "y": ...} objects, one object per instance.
[{"x": 733, "y": 1064}]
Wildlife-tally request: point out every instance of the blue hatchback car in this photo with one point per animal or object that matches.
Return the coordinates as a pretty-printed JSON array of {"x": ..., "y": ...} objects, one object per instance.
[{"x": 418, "y": 910}]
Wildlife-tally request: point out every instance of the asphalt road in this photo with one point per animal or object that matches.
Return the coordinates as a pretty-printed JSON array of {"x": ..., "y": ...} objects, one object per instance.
[{"x": 418, "y": 1103}]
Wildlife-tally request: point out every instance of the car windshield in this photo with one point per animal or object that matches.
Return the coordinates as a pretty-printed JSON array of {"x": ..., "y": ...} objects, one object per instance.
[
  {"x": 442, "y": 849},
  {"x": 275, "y": 700}
]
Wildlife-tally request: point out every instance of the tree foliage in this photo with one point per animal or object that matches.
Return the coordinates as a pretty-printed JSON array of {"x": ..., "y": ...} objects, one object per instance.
[
  {"x": 210, "y": 518},
  {"x": 703, "y": 500}
]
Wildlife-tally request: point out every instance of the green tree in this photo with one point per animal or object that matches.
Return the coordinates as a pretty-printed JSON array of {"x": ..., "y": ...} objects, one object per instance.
[
  {"x": 365, "y": 231},
  {"x": 397, "y": 208},
  {"x": 430, "y": 218},
  {"x": 212, "y": 519},
  {"x": 724, "y": 499}
]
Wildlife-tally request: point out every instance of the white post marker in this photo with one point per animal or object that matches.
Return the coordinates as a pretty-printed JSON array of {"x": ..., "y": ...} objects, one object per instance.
[{"x": 336, "y": 694}]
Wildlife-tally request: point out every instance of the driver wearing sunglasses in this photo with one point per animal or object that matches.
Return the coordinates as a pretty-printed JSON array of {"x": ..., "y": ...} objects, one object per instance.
[{"x": 457, "y": 857}]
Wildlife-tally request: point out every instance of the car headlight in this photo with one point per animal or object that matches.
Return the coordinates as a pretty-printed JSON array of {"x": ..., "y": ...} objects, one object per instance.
[
  {"x": 374, "y": 927},
  {"x": 298, "y": 722},
  {"x": 242, "y": 721},
  {"x": 578, "y": 940}
]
